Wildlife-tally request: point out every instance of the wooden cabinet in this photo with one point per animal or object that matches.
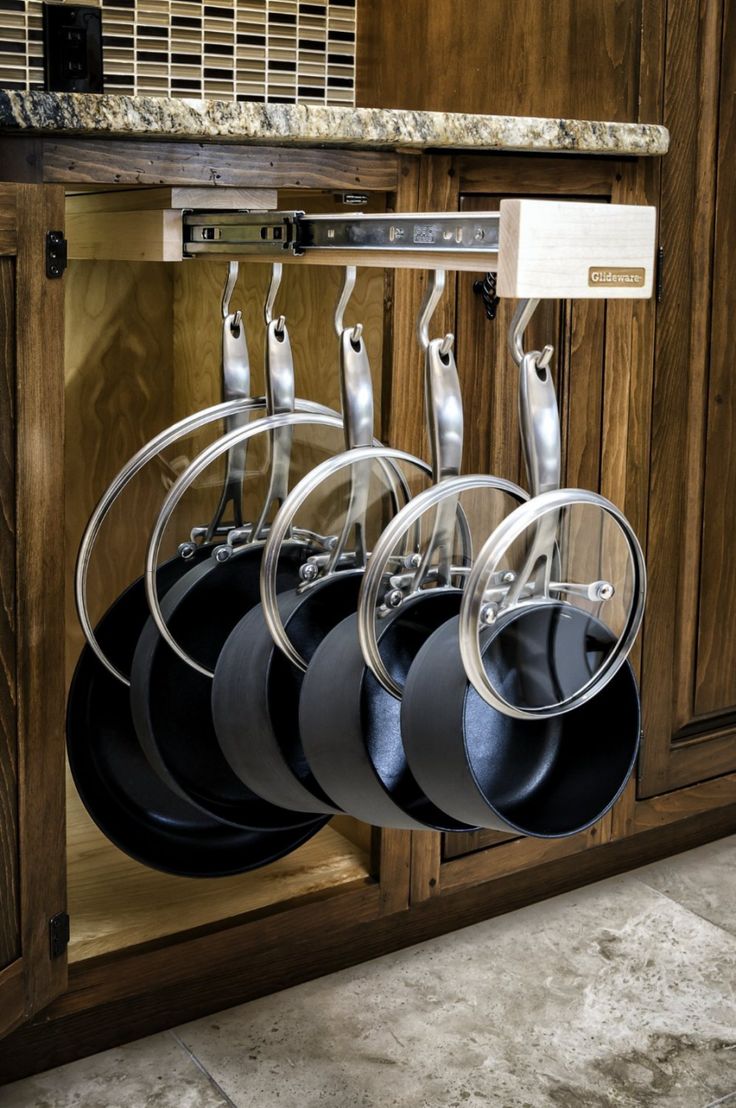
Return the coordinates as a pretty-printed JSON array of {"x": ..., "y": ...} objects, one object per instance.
[{"x": 148, "y": 951}]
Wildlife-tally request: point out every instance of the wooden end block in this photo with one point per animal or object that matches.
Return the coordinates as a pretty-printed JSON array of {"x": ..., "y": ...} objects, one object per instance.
[
  {"x": 558, "y": 249},
  {"x": 154, "y": 236}
]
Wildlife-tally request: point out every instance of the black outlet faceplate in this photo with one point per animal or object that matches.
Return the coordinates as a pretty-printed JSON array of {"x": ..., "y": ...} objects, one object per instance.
[{"x": 72, "y": 39}]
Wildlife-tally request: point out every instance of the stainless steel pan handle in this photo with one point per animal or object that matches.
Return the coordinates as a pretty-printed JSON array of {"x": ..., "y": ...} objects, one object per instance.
[
  {"x": 356, "y": 388},
  {"x": 235, "y": 386},
  {"x": 280, "y": 400}
]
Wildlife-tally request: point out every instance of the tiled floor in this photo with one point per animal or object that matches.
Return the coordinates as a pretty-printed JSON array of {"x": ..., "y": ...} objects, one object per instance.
[{"x": 619, "y": 994}]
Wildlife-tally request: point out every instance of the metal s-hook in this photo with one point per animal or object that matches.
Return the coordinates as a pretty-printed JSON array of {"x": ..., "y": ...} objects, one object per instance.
[
  {"x": 277, "y": 271},
  {"x": 232, "y": 277},
  {"x": 525, "y": 309},
  {"x": 432, "y": 296},
  {"x": 348, "y": 285}
]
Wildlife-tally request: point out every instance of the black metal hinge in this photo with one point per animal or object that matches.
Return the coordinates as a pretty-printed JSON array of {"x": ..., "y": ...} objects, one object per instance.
[
  {"x": 659, "y": 275},
  {"x": 59, "y": 934},
  {"x": 55, "y": 253}
]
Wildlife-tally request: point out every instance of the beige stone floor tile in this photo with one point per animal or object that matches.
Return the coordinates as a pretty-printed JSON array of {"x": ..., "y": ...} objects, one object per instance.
[
  {"x": 156, "y": 1072},
  {"x": 703, "y": 880},
  {"x": 613, "y": 995}
]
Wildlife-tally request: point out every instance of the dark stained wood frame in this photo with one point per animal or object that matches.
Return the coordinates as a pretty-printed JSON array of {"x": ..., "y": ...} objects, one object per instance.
[
  {"x": 33, "y": 704},
  {"x": 681, "y": 748}
]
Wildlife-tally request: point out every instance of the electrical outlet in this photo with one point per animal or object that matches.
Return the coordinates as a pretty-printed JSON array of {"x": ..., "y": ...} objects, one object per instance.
[{"x": 72, "y": 38}]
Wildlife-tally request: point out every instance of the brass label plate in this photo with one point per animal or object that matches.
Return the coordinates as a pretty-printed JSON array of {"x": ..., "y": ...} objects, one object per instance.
[{"x": 611, "y": 276}]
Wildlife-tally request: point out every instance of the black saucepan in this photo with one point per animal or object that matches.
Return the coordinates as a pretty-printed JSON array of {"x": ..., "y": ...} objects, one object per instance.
[
  {"x": 539, "y": 743},
  {"x": 170, "y": 699},
  {"x": 550, "y": 777},
  {"x": 255, "y": 693},
  {"x": 355, "y": 750}
]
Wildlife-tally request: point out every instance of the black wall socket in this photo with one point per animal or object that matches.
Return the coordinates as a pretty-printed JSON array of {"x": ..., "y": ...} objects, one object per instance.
[{"x": 72, "y": 40}]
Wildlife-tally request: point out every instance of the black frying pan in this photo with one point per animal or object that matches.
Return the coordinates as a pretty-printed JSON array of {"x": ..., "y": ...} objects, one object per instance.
[
  {"x": 127, "y": 800},
  {"x": 356, "y": 751},
  {"x": 130, "y": 804}
]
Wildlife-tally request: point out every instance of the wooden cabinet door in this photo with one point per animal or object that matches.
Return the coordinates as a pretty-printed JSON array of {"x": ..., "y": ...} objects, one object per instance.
[
  {"x": 689, "y": 659},
  {"x": 32, "y": 851}
]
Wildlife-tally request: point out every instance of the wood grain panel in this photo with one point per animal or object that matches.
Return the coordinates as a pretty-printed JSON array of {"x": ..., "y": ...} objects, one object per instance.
[
  {"x": 118, "y": 394},
  {"x": 148, "y": 199},
  {"x": 560, "y": 58},
  {"x": 9, "y": 878},
  {"x": 82, "y": 161},
  {"x": 715, "y": 679},
  {"x": 504, "y": 174},
  {"x": 456, "y": 845},
  {"x": 12, "y": 996},
  {"x": 40, "y": 590},
  {"x": 510, "y": 857},
  {"x": 675, "y": 520},
  {"x": 8, "y": 220}
]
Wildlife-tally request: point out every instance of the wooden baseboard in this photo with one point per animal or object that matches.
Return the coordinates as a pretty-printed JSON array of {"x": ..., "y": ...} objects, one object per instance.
[{"x": 53, "y": 1038}]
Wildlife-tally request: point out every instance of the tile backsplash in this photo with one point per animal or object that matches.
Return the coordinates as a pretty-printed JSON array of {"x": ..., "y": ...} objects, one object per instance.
[{"x": 282, "y": 51}]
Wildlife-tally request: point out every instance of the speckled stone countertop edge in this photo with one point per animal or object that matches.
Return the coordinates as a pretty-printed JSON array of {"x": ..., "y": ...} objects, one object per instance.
[{"x": 152, "y": 117}]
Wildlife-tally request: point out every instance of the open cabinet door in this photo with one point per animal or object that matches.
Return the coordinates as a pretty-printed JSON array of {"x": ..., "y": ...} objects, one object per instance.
[{"x": 33, "y": 922}]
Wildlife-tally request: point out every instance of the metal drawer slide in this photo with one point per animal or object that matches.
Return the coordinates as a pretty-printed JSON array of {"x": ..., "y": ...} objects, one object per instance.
[{"x": 457, "y": 240}]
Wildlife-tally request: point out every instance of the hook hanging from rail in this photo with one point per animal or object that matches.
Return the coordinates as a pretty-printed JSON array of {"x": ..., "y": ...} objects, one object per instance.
[
  {"x": 232, "y": 277},
  {"x": 277, "y": 271},
  {"x": 525, "y": 309},
  {"x": 432, "y": 296},
  {"x": 348, "y": 285}
]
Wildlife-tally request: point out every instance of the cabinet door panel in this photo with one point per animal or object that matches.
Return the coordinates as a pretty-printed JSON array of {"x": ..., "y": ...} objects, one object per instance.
[
  {"x": 715, "y": 679},
  {"x": 9, "y": 906},
  {"x": 32, "y": 846},
  {"x": 689, "y": 648}
]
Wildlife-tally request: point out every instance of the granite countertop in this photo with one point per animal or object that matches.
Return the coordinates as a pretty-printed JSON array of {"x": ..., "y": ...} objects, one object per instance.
[{"x": 64, "y": 114}]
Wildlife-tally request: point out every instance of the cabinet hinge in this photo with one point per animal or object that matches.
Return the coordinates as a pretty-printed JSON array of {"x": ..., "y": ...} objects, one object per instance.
[
  {"x": 55, "y": 253},
  {"x": 659, "y": 276},
  {"x": 59, "y": 934}
]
